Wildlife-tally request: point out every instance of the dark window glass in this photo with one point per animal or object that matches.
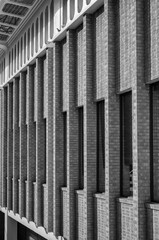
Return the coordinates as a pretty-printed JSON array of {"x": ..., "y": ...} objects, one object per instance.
[
  {"x": 100, "y": 147},
  {"x": 81, "y": 149},
  {"x": 65, "y": 147},
  {"x": 1, "y": 226},
  {"x": 126, "y": 144},
  {"x": 154, "y": 141}
]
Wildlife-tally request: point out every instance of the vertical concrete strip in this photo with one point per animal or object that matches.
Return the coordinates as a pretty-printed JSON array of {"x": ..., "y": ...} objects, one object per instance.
[
  {"x": 49, "y": 137},
  {"x": 141, "y": 131},
  {"x": 89, "y": 127},
  {"x": 22, "y": 143},
  {"x": 10, "y": 146},
  {"x": 72, "y": 137},
  {"x": 31, "y": 141},
  {"x": 58, "y": 165},
  {"x": 4, "y": 147},
  {"x": 112, "y": 122},
  {"x": 1, "y": 135},
  {"x": 40, "y": 142},
  {"x": 15, "y": 144}
]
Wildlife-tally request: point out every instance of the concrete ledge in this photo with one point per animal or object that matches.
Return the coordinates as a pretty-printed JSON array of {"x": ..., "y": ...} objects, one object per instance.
[
  {"x": 64, "y": 189},
  {"x": 153, "y": 206},
  {"x": 80, "y": 192},
  {"x": 100, "y": 195},
  {"x": 128, "y": 200}
]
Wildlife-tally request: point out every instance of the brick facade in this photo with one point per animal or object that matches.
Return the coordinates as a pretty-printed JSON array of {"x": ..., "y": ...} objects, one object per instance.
[{"x": 111, "y": 50}]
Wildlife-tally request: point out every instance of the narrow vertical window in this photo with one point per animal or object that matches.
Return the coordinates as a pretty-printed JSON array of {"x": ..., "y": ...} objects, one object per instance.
[
  {"x": 81, "y": 148},
  {"x": 46, "y": 25},
  {"x": 21, "y": 55},
  {"x": 24, "y": 48},
  {"x": 18, "y": 57},
  {"x": 41, "y": 30},
  {"x": 52, "y": 19},
  {"x": 32, "y": 40},
  {"x": 154, "y": 140},
  {"x": 65, "y": 146},
  {"x": 126, "y": 145},
  {"x": 36, "y": 35},
  {"x": 15, "y": 58},
  {"x": 28, "y": 53},
  {"x": 100, "y": 147}
]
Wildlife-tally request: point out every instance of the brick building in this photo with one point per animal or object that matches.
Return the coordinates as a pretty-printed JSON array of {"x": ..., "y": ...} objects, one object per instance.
[{"x": 79, "y": 119}]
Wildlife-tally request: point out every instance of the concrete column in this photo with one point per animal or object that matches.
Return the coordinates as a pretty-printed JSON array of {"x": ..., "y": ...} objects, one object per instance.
[
  {"x": 112, "y": 122},
  {"x": 15, "y": 144},
  {"x": 10, "y": 228},
  {"x": 49, "y": 137},
  {"x": 22, "y": 143},
  {"x": 40, "y": 141},
  {"x": 89, "y": 128},
  {"x": 72, "y": 136},
  {"x": 10, "y": 146},
  {"x": 1, "y": 140},
  {"x": 58, "y": 158},
  {"x": 140, "y": 126},
  {"x": 4, "y": 147},
  {"x": 31, "y": 141}
]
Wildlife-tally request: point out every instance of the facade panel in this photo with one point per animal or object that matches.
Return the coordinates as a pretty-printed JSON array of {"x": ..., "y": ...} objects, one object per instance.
[{"x": 78, "y": 124}]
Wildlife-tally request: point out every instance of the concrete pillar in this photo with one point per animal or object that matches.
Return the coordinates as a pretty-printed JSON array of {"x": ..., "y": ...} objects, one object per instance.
[
  {"x": 4, "y": 147},
  {"x": 49, "y": 136},
  {"x": 40, "y": 140},
  {"x": 15, "y": 145},
  {"x": 140, "y": 126},
  {"x": 31, "y": 141},
  {"x": 89, "y": 128},
  {"x": 10, "y": 228},
  {"x": 10, "y": 146},
  {"x": 72, "y": 136},
  {"x": 58, "y": 157},
  {"x": 22, "y": 144},
  {"x": 112, "y": 123}
]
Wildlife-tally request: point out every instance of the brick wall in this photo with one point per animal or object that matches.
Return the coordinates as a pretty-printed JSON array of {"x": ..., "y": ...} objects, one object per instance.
[
  {"x": 112, "y": 121},
  {"x": 22, "y": 143},
  {"x": 31, "y": 141},
  {"x": 100, "y": 220},
  {"x": 9, "y": 145},
  {"x": 48, "y": 105},
  {"x": 127, "y": 31},
  {"x": 64, "y": 75},
  {"x": 15, "y": 145},
  {"x": 4, "y": 147},
  {"x": 154, "y": 11},
  {"x": 126, "y": 218},
  {"x": 80, "y": 226},
  {"x": 99, "y": 53},
  {"x": 79, "y": 68},
  {"x": 58, "y": 158}
]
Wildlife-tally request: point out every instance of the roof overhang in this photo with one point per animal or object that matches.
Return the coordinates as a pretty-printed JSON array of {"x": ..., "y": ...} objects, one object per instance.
[{"x": 12, "y": 14}]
